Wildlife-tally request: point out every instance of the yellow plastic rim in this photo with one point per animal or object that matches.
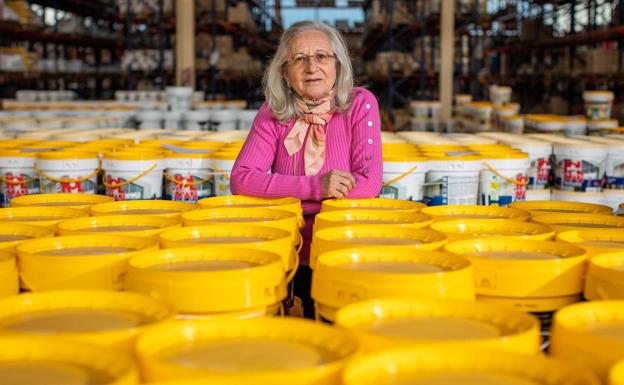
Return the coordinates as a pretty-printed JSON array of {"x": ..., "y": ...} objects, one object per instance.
[
  {"x": 426, "y": 365},
  {"x": 452, "y": 212},
  {"x": 370, "y": 204},
  {"x": 52, "y": 362},
  {"x": 525, "y": 269},
  {"x": 240, "y": 201},
  {"x": 40, "y": 216},
  {"x": 77, "y": 201},
  {"x": 589, "y": 335},
  {"x": 143, "y": 207},
  {"x": 566, "y": 222},
  {"x": 133, "y": 225},
  {"x": 605, "y": 277},
  {"x": 124, "y": 316},
  {"x": 479, "y": 228},
  {"x": 9, "y": 276},
  {"x": 269, "y": 345},
  {"x": 235, "y": 279},
  {"x": 616, "y": 375},
  {"x": 336, "y": 218},
  {"x": 66, "y": 155},
  {"x": 12, "y": 234},
  {"x": 394, "y": 322},
  {"x": 144, "y": 154},
  {"x": 595, "y": 241},
  {"x": 344, "y": 276},
  {"x": 543, "y": 207}
]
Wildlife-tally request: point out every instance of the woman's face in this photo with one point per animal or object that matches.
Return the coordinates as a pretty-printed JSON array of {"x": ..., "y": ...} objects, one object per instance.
[{"x": 311, "y": 66}]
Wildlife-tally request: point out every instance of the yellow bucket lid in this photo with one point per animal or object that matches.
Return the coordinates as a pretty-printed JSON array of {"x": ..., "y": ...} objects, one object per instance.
[
  {"x": 605, "y": 277},
  {"x": 393, "y": 238},
  {"x": 141, "y": 154},
  {"x": 404, "y": 157},
  {"x": 71, "y": 154},
  {"x": 46, "y": 360},
  {"x": 452, "y": 212},
  {"x": 387, "y": 323},
  {"x": 9, "y": 276},
  {"x": 224, "y": 155},
  {"x": 532, "y": 275},
  {"x": 413, "y": 219},
  {"x": 101, "y": 317},
  {"x": 45, "y": 145},
  {"x": 16, "y": 153},
  {"x": 12, "y": 234},
  {"x": 76, "y": 201},
  {"x": 234, "y": 279},
  {"x": 565, "y": 222},
  {"x": 111, "y": 142},
  {"x": 616, "y": 374},
  {"x": 441, "y": 365},
  {"x": 482, "y": 228},
  {"x": 143, "y": 207},
  {"x": 203, "y": 144},
  {"x": 40, "y": 216},
  {"x": 595, "y": 241},
  {"x": 245, "y": 236},
  {"x": 349, "y": 275},
  {"x": 590, "y": 335},
  {"x": 277, "y": 351},
  {"x": 134, "y": 225},
  {"x": 239, "y": 201},
  {"x": 371, "y": 204},
  {"x": 543, "y": 207},
  {"x": 254, "y": 216}
]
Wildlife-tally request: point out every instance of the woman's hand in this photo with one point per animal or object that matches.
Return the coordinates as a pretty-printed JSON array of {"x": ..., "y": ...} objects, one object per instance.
[{"x": 337, "y": 184}]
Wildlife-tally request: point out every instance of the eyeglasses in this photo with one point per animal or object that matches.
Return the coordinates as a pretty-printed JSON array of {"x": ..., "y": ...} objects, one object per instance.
[{"x": 321, "y": 58}]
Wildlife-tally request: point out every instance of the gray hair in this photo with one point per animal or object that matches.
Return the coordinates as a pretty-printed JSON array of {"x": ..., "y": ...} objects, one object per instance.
[{"x": 278, "y": 96}]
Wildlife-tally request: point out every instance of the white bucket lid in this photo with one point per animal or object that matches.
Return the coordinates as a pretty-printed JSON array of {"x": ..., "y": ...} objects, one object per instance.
[
  {"x": 197, "y": 115},
  {"x": 224, "y": 115},
  {"x": 597, "y": 96},
  {"x": 179, "y": 91},
  {"x": 602, "y": 123},
  {"x": 580, "y": 149},
  {"x": 149, "y": 115}
]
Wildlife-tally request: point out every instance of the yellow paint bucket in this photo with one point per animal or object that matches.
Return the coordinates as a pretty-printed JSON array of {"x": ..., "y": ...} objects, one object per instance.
[
  {"x": 99, "y": 317},
  {"x": 544, "y": 207},
  {"x": 211, "y": 282},
  {"x": 397, "y": 239},
  {"x": 248, "y": 237},
  {"x": 9, "y": 276},
  {"x": 616, "y": 374},
  {"x": 451, "y": 212},
  {"x": 533, "y": 276},
  {"x": 144, "y": 226},
  {"x": 479, "y": 228},
  {"x": 567, "y": 222},
  {"x": 40, "y": 216},
  {"x": 621, "y": 210},
  {"x": 76, "y": 201},
  {"x": 46, "y": 360},
  {"x": 278, "y": 351},
  {"x": 605, "y": 277},
  {"x": 595, "y": 241},
  {"x": 240, "y": 201},
  {"x": 411, "y": 219},
  {"x": 168, "y": 209},
  {"x": 417, "y": 365},
  {"x": 342, "y": 277},
  {"x": 590, "y": 335},
  {"x": 95, "y": 262},
  {"x": 280, "y": 219},
  {"x": 12, "y": 234},
  {"x": 386, "y": 323},
  {"x": 370, "y": 204}
]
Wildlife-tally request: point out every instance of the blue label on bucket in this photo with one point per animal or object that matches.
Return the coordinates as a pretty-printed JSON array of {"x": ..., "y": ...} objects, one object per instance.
[
  {"x": 489, "y": 200},
  {"x": 614, "y": 182},
  {"x": 437, "y": 193}
]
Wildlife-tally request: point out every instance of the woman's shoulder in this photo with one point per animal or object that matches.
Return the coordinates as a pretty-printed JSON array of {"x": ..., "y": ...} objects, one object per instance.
[{"x": 361, "y": 95}]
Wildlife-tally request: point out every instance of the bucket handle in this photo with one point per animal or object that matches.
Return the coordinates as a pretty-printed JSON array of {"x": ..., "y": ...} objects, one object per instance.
[
  {"x": 509, "y": 180},
  {"x": 220, "y": 172},
  {"x": 141, "y": 175},
  {"x": 67, "y": 180},
  {"x": 183, "y": 183},
  {"x": 291, "y": 274},
  {"x": 15, "y": 183},
  {"x": 299, "y": 241},
  {"x": 398, "y": 178}
]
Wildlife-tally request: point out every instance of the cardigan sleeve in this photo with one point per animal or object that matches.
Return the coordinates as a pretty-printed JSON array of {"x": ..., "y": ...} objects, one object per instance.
[
  {"x": 251, "y": 172},
  {"x": 366, "y": 159}
]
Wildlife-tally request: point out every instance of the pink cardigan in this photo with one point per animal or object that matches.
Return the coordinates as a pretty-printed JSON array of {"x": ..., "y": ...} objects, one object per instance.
[{"x": 264, "y": 168}]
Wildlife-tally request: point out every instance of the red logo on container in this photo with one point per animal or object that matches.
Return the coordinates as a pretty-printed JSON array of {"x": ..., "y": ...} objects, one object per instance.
[
  {"x": 16, "y": 187},
  {"x": 117, "y": 193},
  {"x": 573, "y": 172},
  {"x": 184, "y": 192}
]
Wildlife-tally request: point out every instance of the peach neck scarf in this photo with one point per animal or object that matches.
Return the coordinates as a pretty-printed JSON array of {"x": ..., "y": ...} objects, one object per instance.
[{"x": 315, "y": 116}]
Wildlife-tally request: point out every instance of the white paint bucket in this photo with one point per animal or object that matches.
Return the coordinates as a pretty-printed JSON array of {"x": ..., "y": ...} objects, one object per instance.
[
  {"x": 539, "y": 157},
  {"x": 188, "y": 177},
  {"x": 453, "y": 180},
  {"x": 197, "y": 120},
  {"x": 133, "y": 175},
  {"x": 18, "y": 176},
  {"x": 602, "y": 127},
  {"x": 513, "y": 124},
  {"x": 224, "y": 120},
  {"x": 500, "y": 95},
  {"x": 68, "y": 172},
  {"x": 504, "y": 178},
  {"x": 179, "y": 98},
  {"x": 576, "y": 196},
  {"x": 575, "y": 125},
  {"x": 579, "y": 166},
  {"x": 151, "y": 119},
  {"x": 222, "y": 164},
  {"x": 403, "y": 177},
  {"x": 598, "y": 104},
  {"x": 246, "y": 119},
  {"x": 537, "y": 195},
  {"x": 173, "y": 120}
]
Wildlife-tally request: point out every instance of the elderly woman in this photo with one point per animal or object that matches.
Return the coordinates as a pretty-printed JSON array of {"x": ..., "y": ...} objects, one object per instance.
[{"x": 316, "y": 136}]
